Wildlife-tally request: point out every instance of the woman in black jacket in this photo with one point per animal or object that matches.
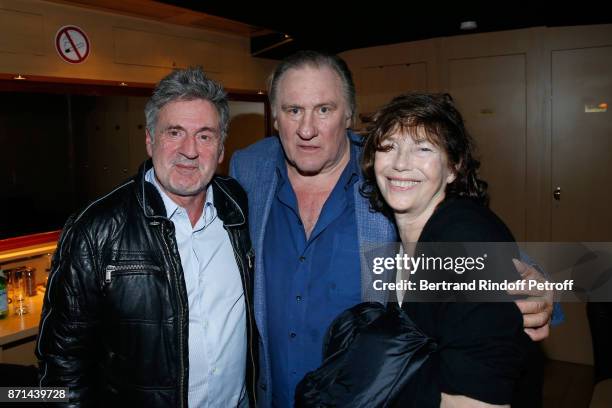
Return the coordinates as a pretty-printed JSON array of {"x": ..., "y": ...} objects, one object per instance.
[{"x": 468, "y": 346}]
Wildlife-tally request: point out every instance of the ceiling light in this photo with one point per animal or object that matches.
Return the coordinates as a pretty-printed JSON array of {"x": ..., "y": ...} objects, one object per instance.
[
  {"x": 468, "y": 25},
  {"x": 122, "y": 84},
  {"x": 19, "y": 77}
]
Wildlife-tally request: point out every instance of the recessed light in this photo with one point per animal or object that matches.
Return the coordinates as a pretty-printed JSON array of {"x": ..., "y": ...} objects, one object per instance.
[
  {"x": 19, "y": 77},
  {"x": 122, "y": 84},
  {"x": 468, "y": 25}
]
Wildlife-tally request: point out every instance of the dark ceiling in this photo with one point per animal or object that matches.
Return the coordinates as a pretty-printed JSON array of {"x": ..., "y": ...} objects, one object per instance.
[{"x": 334, "y": 27}]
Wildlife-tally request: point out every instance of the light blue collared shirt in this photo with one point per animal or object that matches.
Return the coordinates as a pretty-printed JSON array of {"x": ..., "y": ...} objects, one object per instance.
[{"x": 217, "y": 319}]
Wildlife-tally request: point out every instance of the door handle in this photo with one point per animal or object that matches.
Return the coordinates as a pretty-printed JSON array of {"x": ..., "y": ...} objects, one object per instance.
[{"x": 557, "y": 194}]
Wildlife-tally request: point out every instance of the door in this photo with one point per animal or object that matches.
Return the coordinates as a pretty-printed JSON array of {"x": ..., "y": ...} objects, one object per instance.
[
  {"x": 582, "y": 144},
  {"x": 581, "y": 154},
  {"x": 490, "y": 93}
]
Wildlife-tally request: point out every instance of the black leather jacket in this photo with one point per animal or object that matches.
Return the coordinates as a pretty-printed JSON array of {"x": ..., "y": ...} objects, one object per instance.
[{"x": 115, "y": 321}]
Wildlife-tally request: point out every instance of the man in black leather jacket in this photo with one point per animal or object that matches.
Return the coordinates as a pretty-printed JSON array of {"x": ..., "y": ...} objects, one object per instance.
[{"x": 149, "y": 302}]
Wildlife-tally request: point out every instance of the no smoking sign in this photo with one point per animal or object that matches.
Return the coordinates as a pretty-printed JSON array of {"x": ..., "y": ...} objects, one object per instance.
[{"x": 72, "y": 44}]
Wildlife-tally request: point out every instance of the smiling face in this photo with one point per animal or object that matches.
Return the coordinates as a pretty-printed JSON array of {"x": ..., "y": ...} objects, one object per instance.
[
  {"x": 186, "y": 148},
  {"x": 412, "y": 173},
  {"x": 312, "y": 116}
]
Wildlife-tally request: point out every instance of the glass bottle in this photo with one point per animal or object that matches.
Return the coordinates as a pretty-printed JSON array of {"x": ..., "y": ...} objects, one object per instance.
[
  {"x": 19, "y": 290},
  {"x": 30, "y": 278}
]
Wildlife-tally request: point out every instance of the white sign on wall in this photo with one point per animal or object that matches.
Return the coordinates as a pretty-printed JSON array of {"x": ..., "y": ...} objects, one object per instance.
[{"x": 72, "y": 44}]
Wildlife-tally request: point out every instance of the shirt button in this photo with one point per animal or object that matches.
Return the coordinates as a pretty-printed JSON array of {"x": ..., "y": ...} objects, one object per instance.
[
  {"x": 298, "y": 298},
  {"x": 292, "y": 335},
  {"x": 302, "y": 258}
]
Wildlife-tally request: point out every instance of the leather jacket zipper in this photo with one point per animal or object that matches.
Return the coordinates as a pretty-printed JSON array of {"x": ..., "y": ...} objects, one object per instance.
[
  {"x": 180, "y": 323},
  {"x": 116, "y": 269},
  {"x": 109, "y": 271}
]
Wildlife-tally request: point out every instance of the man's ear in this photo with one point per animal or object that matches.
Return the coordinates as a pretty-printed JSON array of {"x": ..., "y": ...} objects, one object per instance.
[
  {"x": 221, "y": 154},
  {"x": 349, "y": 121},
  {"x": 275, "y": 124},
  {"x": 149, "y": 143}
]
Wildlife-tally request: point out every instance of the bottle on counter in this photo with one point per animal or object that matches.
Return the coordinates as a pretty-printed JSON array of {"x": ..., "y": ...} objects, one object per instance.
[
  {"x": 4, "y": 310},
  {"x": 30, "y": 281}
]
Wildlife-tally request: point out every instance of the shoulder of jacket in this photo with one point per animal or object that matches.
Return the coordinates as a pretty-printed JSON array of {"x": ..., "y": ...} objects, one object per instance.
[
  {"x": 263, "y": 148},
  {"x": 104, "y": 207},
  {"x": 255, "y": 162},
  {"x": 234, "y": 191},
  {"x": 463, "y": 219},
  {"x": 91, "y": 221}
]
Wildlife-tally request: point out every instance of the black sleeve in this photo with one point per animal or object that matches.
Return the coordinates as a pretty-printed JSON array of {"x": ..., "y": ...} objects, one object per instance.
[
  {"x": 66, "y": 345},
  {"x": 482, "y": 350},
  {"x": 482, "y": 344}
]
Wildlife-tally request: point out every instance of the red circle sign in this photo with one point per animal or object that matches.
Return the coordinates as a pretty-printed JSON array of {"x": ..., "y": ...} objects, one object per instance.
[{"x": 72, "y": 44}]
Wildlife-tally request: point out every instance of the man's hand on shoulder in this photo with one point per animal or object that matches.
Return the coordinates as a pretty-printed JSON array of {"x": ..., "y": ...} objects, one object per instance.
[{"x": 537, "y": 307}]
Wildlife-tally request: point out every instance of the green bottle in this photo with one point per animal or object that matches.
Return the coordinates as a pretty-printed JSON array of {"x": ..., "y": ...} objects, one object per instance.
[{"x": 4, "y": 311}]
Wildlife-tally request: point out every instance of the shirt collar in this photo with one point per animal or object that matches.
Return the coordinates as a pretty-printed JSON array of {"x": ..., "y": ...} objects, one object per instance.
[
  {"x": 351, "y": 173},
  {"x": 209, "y": 213}
]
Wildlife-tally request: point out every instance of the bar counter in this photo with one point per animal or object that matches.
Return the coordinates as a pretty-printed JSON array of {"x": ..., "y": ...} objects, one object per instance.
[
  {"x": 18, "y": 327},
  {"x": 18, "y": 332}
]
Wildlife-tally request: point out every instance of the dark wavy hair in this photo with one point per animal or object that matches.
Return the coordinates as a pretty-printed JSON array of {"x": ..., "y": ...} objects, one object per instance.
[{"x": 443, "y": 126}]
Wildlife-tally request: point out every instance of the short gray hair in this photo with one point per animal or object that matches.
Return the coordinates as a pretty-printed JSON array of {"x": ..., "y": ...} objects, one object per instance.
[
  {"x": 187, "y": 85},
  {"x": 314, "y": 59}
]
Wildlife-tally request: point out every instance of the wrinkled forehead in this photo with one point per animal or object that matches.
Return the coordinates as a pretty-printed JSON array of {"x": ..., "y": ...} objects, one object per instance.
[{"x": 310, "y": 84}]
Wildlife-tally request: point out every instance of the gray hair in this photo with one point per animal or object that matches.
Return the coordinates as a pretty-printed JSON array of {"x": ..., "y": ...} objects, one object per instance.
[
  {"x": 314, "y": 59},
  {"x": 187, "y": 85}
]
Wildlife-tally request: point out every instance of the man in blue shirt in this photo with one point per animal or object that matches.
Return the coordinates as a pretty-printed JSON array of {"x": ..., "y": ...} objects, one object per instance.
[{"x": 308, "y": 221}]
